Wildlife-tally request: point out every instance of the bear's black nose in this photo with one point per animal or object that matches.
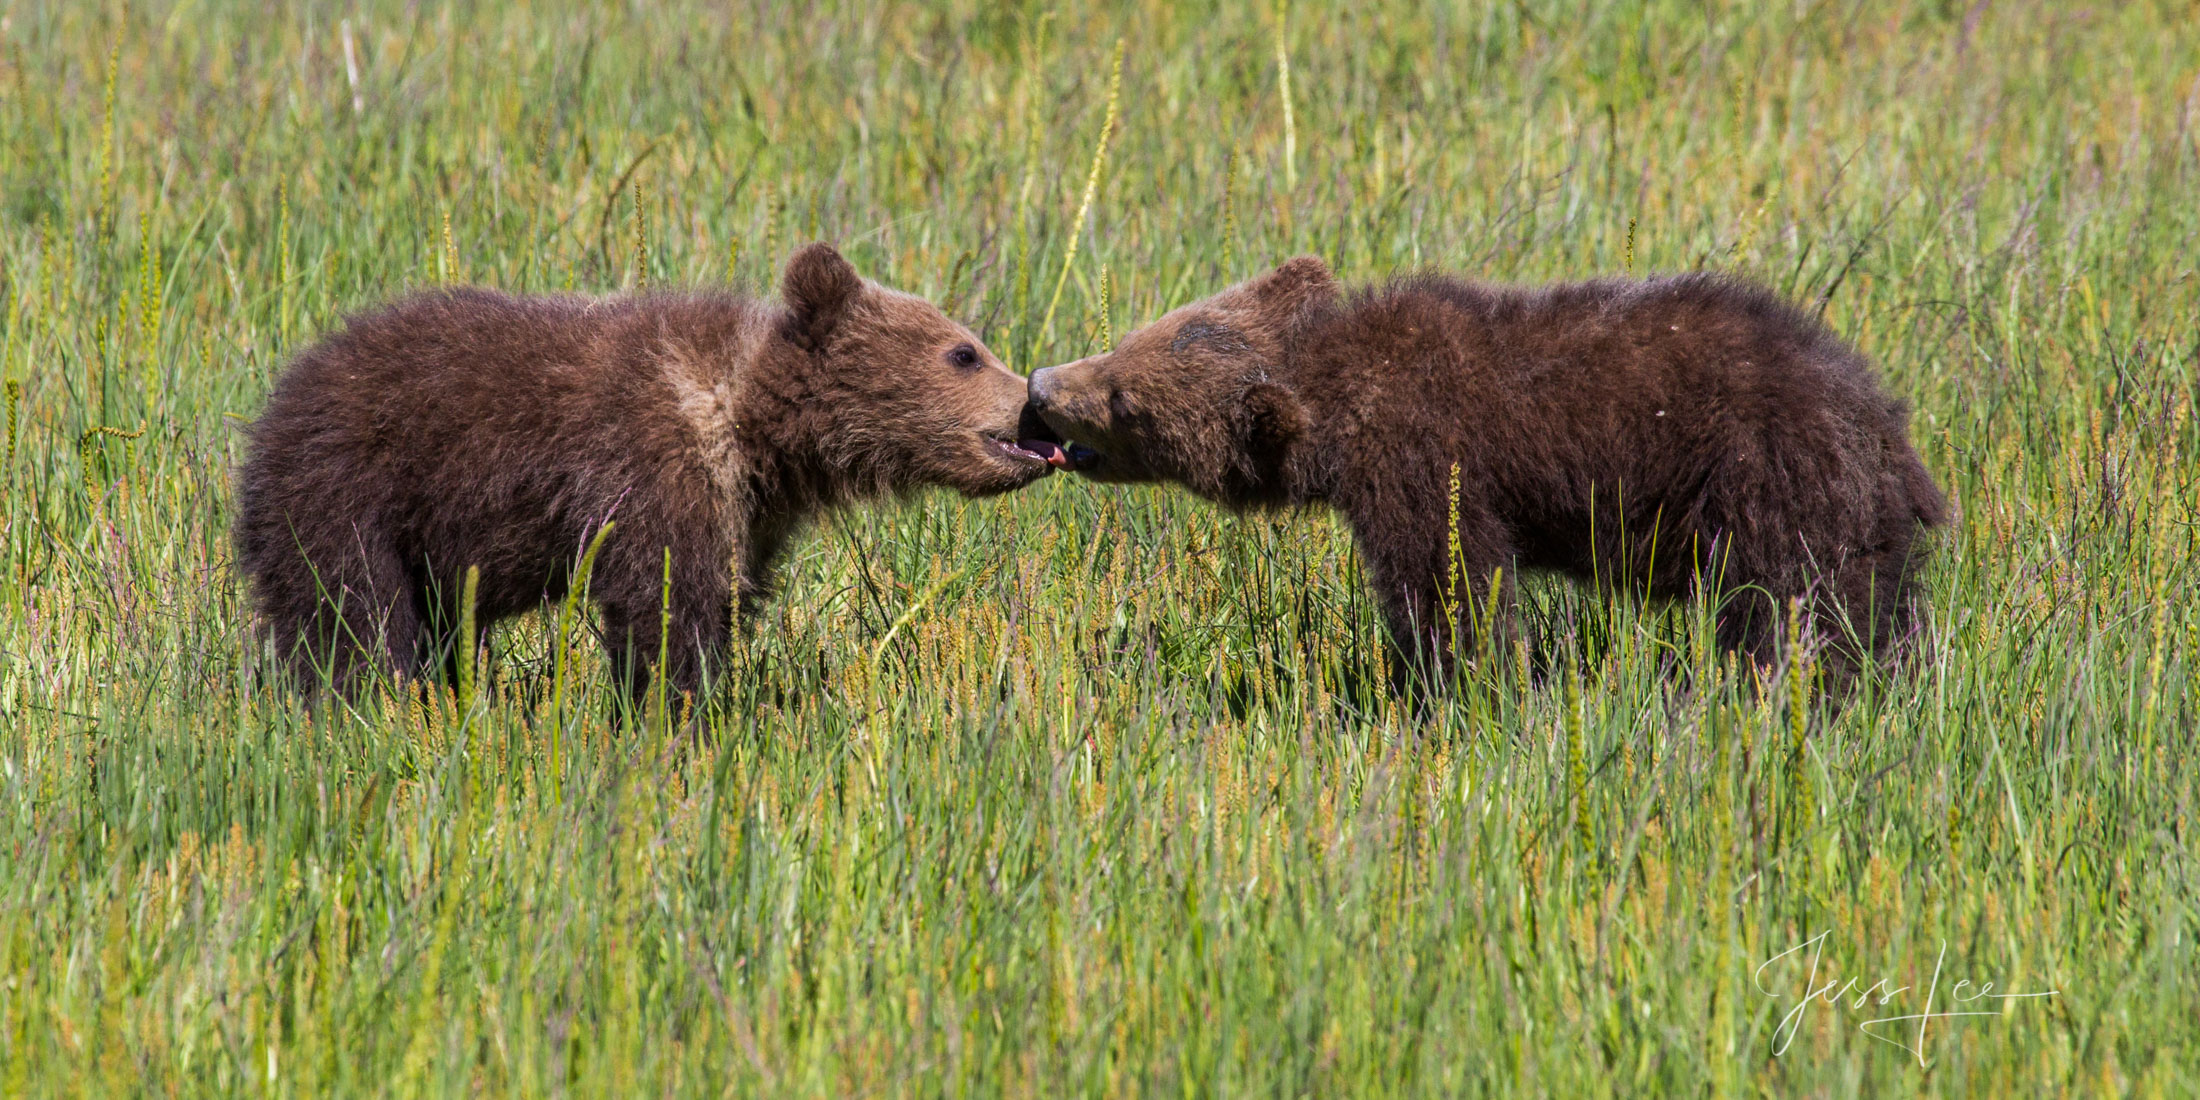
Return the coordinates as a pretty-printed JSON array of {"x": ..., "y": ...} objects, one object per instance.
[{"x": 1039, "y": 388}]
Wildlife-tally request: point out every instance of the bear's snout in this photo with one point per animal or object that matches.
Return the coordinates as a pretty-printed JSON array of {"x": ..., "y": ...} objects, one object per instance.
[
  {"x": 1062, "y": 397},
  {"x": 1040, "y": 391}
]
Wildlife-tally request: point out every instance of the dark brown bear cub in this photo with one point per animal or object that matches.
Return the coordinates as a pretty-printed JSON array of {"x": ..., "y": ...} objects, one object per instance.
[
  {"x": 1669, "y": 435},
  {"x": 466, "y": 428}
]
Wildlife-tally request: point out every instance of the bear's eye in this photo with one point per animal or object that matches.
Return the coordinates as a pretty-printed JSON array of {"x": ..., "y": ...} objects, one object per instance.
[{"x": 964, "y": 356}]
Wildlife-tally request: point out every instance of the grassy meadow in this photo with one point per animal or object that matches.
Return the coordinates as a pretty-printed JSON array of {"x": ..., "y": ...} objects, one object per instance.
[{"x": 1090, "y": 790}]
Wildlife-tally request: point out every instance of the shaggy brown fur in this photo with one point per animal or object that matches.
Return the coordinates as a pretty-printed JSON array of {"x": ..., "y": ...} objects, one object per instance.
[
  {"x": 465, "y": 428},
  {"x": 1666, "y": 434}
]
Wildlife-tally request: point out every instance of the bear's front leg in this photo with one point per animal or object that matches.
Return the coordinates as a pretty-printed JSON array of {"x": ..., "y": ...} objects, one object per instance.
[
  {"x": 685, "y": 640},
  {"x": 685, "y": 649},
  {"x": 1435, "y": 583}
]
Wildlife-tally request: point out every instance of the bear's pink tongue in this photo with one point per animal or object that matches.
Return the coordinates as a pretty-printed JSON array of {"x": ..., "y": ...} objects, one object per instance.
[{"x": 1046, "y": 450}]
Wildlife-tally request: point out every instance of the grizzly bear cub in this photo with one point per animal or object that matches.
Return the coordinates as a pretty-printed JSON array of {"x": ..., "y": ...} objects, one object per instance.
[
  {"x": 468, "y": 428},
  {"x": 1670, "y": 435}
]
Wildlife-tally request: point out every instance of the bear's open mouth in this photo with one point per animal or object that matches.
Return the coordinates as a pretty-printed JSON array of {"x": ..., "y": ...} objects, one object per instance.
[
  {"x": 1030, "y": 450},
  {"x": 1030, "y": 441}
]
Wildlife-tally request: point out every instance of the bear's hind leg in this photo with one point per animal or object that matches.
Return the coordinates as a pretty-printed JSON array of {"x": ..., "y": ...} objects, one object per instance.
[
  {"x": 1869, "y": 609},
  {"x": 441, "y": 607},
  {"x": 339, "y": 610},
  {"x": 1747, "y": 623}
]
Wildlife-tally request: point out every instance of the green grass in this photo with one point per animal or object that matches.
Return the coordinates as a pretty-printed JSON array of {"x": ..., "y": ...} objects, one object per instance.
[{"x": 1085, "y": 790}]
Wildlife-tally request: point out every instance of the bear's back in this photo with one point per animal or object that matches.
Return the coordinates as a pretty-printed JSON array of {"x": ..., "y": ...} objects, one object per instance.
[
  {"x": 1545, "y": 393},
  {"x": 462, "y": 407},
  {"x": 1592, "y": 355}
]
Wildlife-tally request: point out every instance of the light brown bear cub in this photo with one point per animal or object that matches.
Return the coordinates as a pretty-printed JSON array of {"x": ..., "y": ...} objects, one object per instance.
[
  {"x": 466, "y": 427},
  {"x": 1668, "y": 434}
]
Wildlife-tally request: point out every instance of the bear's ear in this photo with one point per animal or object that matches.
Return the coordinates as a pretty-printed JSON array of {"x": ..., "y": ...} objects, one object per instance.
[
  {"x": 818, "y": 287},
  {"x": 1271, "y": 420},
  {"x": 1295, "y": 286}
]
